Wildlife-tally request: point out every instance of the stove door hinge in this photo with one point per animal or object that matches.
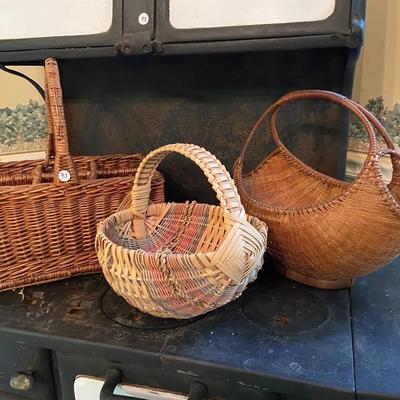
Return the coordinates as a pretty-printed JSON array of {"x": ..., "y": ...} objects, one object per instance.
[{"x": 138, "y": 43}]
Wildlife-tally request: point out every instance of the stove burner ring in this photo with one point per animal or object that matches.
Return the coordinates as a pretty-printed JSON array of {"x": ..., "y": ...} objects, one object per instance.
[
  {"x": 285, "y": 309},
  {"x": 118, "y": 310}
]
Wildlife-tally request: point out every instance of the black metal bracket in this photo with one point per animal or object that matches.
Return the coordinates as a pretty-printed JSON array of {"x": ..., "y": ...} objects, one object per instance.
[
  {"x": 357, "y": 32},
  {"x": 198, "y": 391},
  {"x": 138, "y": 43}
]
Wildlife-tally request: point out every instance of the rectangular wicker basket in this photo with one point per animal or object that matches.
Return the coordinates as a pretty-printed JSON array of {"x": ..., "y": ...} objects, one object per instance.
[{"x": 49, "y": 208}]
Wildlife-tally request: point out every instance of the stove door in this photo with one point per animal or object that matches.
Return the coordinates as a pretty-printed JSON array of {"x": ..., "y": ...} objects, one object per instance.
[
  {"x": 180, "y": 21},
  {"x": 89, "y": 388},
  {"x": 82, "y": 377}
]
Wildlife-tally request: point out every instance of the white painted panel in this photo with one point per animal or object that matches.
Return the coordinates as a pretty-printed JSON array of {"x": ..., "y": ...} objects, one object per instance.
[
  {"x": 88, "y": 388},
  {"x": 192, "y": 14},
  {"x": 46, "y": 18}
]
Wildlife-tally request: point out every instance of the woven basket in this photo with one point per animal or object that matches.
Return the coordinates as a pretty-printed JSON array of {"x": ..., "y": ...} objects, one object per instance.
[
  {"x": 47, "y": 226},
  {"x": 322, "y": 231},
  {"x": 181, "y": 260}
]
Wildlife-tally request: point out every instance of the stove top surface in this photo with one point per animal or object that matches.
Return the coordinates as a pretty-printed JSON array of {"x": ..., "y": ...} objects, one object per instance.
[
  {"x": 121, "y": 312},
  {"x": 280, "y": 335}
]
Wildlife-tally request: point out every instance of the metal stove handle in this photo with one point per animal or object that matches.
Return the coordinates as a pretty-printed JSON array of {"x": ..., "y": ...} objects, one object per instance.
[{"x": 198, "y": 391}]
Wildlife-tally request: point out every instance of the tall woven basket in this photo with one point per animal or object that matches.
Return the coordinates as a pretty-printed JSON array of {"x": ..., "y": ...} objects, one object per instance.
[
  {"x": 181, "y": 260},
  {"x": 322, "y": 231},
  {"x": 49, "y": 209}
]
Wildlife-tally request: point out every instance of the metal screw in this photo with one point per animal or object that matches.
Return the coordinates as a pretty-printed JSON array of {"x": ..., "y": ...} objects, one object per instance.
[
  {"x": 295, "y": 366},
  {"x": 125, "y": 48},
  {"x": 143, "y": 18},
  {"x": 22, "y": 382},
  {"x": 146, "y": 48}
]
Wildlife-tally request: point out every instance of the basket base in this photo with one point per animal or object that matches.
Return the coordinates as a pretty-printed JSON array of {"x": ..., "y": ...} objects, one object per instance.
[{"x": 314, "y": 282}]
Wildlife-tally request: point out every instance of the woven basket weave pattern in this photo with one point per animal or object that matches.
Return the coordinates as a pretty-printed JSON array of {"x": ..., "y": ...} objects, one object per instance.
[
  {"x": 181, "y": 260},
  {"x": 325, "y": 232},
  {"x": 48, "y": 227}
]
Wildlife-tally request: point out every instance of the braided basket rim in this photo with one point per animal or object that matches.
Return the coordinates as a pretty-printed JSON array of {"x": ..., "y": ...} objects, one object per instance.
[{"x": 255, "y": 223}]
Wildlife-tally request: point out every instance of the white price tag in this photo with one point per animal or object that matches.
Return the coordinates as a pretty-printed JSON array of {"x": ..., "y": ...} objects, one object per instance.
[
  {"x": 64, "y": 176},
  {"x": 143, "y": 18}
]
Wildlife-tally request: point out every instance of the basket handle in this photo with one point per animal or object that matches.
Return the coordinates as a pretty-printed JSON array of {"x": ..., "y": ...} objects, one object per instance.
[
  {"x": 375, "y": 123},
  {"x": 388, "y": 140},
  {"x": 310, "y": 94},
  {"x": 384, "y": 152},
  {"x": 394, "y": 155},
  {"x": 216, "y": 173},
  {"x": 58, "y": 135},
  {"x": 50, "y": 151}
]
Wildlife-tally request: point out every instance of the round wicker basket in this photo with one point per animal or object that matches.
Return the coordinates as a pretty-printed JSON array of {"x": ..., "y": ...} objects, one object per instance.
[
  {"x": 324, "y": 232},
  {"x": 177, "y": 260}
]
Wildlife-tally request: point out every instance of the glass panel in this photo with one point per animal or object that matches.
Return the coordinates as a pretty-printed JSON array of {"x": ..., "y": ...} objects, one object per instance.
[
  {"x": 191, "y": 14},
  {"x": 47, "y": 18}
]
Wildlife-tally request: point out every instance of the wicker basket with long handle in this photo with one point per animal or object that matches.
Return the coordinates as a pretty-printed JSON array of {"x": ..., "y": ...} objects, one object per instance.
[
  {"x": 49, "y": 208},
  {"x": 324, "y": 232},
  {"x": 181, "y": 260}
]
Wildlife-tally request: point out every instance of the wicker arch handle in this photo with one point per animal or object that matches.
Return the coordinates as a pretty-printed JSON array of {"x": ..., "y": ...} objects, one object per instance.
[
  {"x": 385, "y": 152},
  {"x": 315, "y": 95},
  {"x": 57, "y": 128},
  {"x": 395, "y": 156},
  {"x": 375, "y": 123},
  {"x": 215, "y": 172},
  {"x": 388, "y": 140}
]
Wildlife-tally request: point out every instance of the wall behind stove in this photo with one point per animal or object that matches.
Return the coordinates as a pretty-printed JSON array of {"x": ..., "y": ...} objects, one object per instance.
[
  {"x": 378, "y": 71},
  {"x": 14, "y": 90}
]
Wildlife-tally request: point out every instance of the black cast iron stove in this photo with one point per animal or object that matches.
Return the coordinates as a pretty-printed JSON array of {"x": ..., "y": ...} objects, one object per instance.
[
  {"x": 280, "y": 340},
  {"x": 143, "y": 84}
]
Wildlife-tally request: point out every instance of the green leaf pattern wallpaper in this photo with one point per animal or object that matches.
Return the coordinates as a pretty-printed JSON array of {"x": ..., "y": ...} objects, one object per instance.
[
  {"x": 23, "y": 120},
  {"x": 389, "y": 118},
  {"x": 23, "y": 128}
]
